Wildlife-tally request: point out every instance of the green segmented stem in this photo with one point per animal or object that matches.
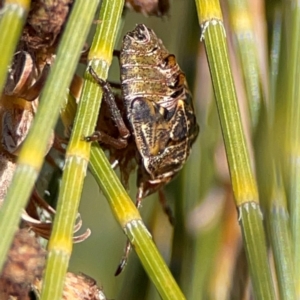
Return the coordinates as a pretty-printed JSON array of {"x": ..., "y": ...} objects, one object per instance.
[
  {"x": 128, "y": 216},
  {"x": 289, "y": 97},
  {"x": 242, "y": 24},
  {"x": 13, "y": 16},
  {"x": 32, "y": 154},
  {"x": 78, "y": 151},
  {"x": 242, "y": 178}
]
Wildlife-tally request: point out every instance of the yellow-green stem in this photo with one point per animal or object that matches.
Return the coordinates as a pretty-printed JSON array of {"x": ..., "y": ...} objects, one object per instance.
[
  {"x": 243, "y": 28},
  {"x": 32, "y": 154},
  {"x": 78, "y": 151},
  {"x": 13, "y": 16},
  {"x": 242, "y": 178},
  {"x": 292, "y": 130},
  {"x": 128, "y": 216}
]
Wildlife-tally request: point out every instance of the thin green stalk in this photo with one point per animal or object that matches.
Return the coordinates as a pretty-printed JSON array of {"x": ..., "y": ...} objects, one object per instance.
[
  {"x": 271, "y": 190},
  {"x": 292, "y": 145},
  {"x": 77, "y": 155},
  {"x": 128, "y": 216},
  {"x": 200, "y": 248},
  {"x": 242, "y": 25},
  {"x": 277, "y": 217},
  {"x": 33, "y": 151},
  {"x": 274, "y": 61},
  {"x": 274, "y": 205},
  {"x": 286, "y": 147},
  {"x": 122, "y": 207},
  {"x": 12, "y": 18},
  {"x": 280, "y": 236},
  {"x": 242, "y": 177},
  {"x": 205, "y": 248}
]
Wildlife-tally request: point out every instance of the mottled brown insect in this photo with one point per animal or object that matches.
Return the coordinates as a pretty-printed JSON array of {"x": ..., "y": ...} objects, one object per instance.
[
  {"x": 159, "y": 108},
  {"x": 159, "y": 112}
]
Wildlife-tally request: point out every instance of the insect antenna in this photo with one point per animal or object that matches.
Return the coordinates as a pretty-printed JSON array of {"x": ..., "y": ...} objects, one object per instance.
[{"x": 124, "y": 258}]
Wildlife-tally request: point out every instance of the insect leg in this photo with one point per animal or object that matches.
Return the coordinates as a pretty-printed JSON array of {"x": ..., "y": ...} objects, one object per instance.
[
  {"x": 117, "y": 53},
  {"x": 84, "y": 54},
  {"x": 124, "y": 258},
  {"x": 128, "y": 247},
  {"x": 115, "y": 85},
  {"x": 120, "y": 142},
  {"x": 100, "y": 136},
  {"x": 110, "y": 99}
]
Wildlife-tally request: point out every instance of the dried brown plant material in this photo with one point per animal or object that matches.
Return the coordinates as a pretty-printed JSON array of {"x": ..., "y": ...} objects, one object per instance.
[
  {"x": 7, "y": 169},
  {"x": 16, "y": 118},
  {"x": 45, "y": 22},
  {"x": 78, "y": 287},
  {"x": 36, "y": 207},
  {"x": 21, "y": 74},
  {"x": 125, "y": 157},
  {"x": 25, "y": 262},
  {"x": 149, "y": 7},
  {"x": 18, "y": 105},
  {"x": 23, "y": 270},
  {"x": 19, "y": 102}
]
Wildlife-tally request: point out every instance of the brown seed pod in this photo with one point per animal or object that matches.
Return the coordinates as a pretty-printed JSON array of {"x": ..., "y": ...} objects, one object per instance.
[
  {"x": 149, "y": 7},
  {"x": 23, "y": 270},
  {"x": 77, "y": 287},
  {"x": 45, "y": 22},
  {"x": 25, "y": 262}
]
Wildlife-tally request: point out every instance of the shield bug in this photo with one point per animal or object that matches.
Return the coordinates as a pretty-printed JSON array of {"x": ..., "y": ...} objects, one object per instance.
[{"x": 158, "y": 112}]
